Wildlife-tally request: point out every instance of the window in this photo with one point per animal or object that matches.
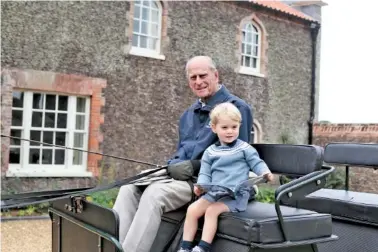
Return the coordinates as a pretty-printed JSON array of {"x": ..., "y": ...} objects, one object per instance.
[
  {"x": 250, "y": 48},
  {"x": 147, "y": 25},
  {"x": 53, "y": 119}
]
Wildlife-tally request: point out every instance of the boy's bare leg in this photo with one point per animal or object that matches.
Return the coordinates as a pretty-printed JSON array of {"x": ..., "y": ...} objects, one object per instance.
[
  {"x": 211, "y": 220},
  {"x": 194, "y": 212}
]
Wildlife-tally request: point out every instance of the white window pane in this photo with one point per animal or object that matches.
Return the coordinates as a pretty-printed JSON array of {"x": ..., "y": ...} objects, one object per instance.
[
  {"x": 37, "y": 119},
  {"x": 77, "y": 157},
  {"x": 35, "y": 135},
  {"x": 15, "y": 133},
  {"x": 48, "y": 137},
  {"x": 249, "y": 37},
  {"x": 255, "y": 51},
  {"x": 50, "y": 102},
  {"x": 256, "y": 39},
  {"x": 249, "y": 49},
  {"x": 144, "y": 28},
  {"x": 154, "y": 5},
  {"x": 62, "y": 121},
  {"x": 80, "y": 121},
  {"x": 145, "y": 14},
  {"x": 137, "y": 12},
  {"x": 155, "y": 16},
  {"x": 37, "y": 101},
  {"x": 14, "y": 155},
  {"x": 79, "y": 140},
  {"x": 146, "y": 3},
  {"x": 254, "y": 63},
  {"x": 152, "y": 43},
  {"x": 16, "y": 118},
  {"x": 60, "y": 138},
  {"x": 63, "y": 103},
  {"x": 18, "y": 99},
  {"x": 80, "y": 105},
  {"x": 49, "y": 120},
  {"x": 136, "y": 26},
  {"x": 143, "y": 41},
  {"x": 248, "y": 61},
  {"x": 47, "y": 156},
  {"x": 154, "y": 30},
  {"x": 135, "y": 40},
  {"x": 59, "y": 156},
  {"x": 34, "y": 155}
]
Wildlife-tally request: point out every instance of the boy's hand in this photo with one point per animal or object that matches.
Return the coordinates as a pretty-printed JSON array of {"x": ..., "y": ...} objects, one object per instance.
[
  {"x": 269, "y": 177},
  {"x": 197, "y": 191}
]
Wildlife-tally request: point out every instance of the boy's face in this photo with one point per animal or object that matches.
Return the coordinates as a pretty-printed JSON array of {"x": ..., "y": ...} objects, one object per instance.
[{"x": 226, "y": 129}]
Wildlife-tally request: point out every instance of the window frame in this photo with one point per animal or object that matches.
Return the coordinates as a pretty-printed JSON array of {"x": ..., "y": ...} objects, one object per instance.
[
  {"x": 145, "y": 52},
  {"x": 243, "y": 68},
  {"x": 68, "y": 169}
]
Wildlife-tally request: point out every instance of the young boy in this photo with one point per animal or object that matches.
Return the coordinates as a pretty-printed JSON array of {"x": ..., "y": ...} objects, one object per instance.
[{"x": 225, "y": 163}]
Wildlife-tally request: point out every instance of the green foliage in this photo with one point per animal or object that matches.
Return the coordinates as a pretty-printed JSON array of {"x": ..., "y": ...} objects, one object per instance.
[
  {"x": 266, "y": 195},
  {"x": 336, "y": 180},
  {"x": 104, "y": 198}
]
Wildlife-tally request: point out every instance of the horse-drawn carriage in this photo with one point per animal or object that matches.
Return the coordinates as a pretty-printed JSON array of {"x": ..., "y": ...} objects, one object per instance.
[{"x": 304, "y": 218}]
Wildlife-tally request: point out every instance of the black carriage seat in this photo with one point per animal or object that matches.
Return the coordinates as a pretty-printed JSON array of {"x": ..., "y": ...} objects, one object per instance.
[
  {"x": 344, "y": 204},
  {"x": 260, "y": 223}
]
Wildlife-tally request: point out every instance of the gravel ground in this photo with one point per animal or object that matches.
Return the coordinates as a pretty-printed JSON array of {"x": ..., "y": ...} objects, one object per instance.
[{"x": 26, "y": 236}]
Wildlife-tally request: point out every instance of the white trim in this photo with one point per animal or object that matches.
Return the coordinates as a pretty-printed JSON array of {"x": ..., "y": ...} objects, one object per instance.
[
  {"x": 146, "y": 53},
  {"x": 250, "y": 71},
  {"x": 44, "y": 173},
  {"x": 24, "y": 169}
]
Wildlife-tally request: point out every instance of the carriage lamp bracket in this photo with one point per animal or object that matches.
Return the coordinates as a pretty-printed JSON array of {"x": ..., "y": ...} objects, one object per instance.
[{"x": 76, "y": 204}]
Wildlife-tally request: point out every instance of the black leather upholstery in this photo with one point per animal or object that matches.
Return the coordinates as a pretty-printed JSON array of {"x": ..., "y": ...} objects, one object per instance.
[
  {"x": 352, "y": 154},
  {"x": 259, "y": 224},
  {"x": 354, "y": 206},
  {"x": 291, "y": 159}
]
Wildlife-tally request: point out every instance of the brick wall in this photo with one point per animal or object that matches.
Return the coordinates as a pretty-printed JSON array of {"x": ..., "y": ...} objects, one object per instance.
[
  {"x": 361, "y": 179},
  {"x": 16, "y": 79}
]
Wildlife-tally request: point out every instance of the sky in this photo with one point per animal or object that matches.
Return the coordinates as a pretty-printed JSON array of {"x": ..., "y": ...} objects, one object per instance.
[{"x": 349, "y": 62}]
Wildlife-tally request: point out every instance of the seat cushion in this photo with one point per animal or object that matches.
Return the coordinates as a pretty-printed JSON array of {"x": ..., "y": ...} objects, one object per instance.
[
  {"x": 259, "y": 224},
  {"x": 354, "y": 206}
]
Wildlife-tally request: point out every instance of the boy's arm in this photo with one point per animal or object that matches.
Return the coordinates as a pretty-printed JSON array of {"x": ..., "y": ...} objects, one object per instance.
[
  {"x": 256, "y": 164},
  {"x": 204, "y": 176}
]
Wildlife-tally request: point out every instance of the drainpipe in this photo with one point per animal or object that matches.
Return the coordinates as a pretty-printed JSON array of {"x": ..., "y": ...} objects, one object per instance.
[{"x": 314, "y": 35}]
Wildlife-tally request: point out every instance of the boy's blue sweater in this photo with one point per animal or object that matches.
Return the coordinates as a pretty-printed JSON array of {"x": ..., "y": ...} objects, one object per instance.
[
  {"x": 195, "y": 134},
  {"x": 229, "y": 165}
]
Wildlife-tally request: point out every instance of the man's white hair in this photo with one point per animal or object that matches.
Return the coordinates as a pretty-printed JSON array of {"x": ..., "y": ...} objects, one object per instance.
[{"x": 211, "y": 63}]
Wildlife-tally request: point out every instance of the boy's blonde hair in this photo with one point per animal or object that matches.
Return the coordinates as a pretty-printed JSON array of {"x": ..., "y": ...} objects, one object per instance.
[{"x": 225, "y": 109}]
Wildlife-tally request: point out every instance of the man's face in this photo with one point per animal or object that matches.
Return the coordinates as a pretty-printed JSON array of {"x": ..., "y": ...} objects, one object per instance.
[{"x": 202, "y": 80}]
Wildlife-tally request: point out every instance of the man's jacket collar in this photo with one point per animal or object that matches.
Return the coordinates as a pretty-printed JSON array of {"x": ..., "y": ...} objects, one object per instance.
[{"x": 220, "y": 96}]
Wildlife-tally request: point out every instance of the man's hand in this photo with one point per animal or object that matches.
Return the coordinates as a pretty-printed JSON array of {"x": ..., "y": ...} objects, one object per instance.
[
  {"x": 269, "y": 177},
  {"x": 197, "y": 191},
  {"x": 184, "y": 170}
]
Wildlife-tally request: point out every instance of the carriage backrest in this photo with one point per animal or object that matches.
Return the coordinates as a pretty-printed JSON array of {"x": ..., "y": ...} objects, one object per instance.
[
  {"x": 351, "y": 154},
  {"x": 356, "y": 154},
  {"x": 292, "y": 160}
]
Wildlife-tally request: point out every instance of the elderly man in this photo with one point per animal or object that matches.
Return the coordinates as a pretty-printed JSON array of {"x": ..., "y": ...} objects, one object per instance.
[{"x": 140, "y": 210}]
